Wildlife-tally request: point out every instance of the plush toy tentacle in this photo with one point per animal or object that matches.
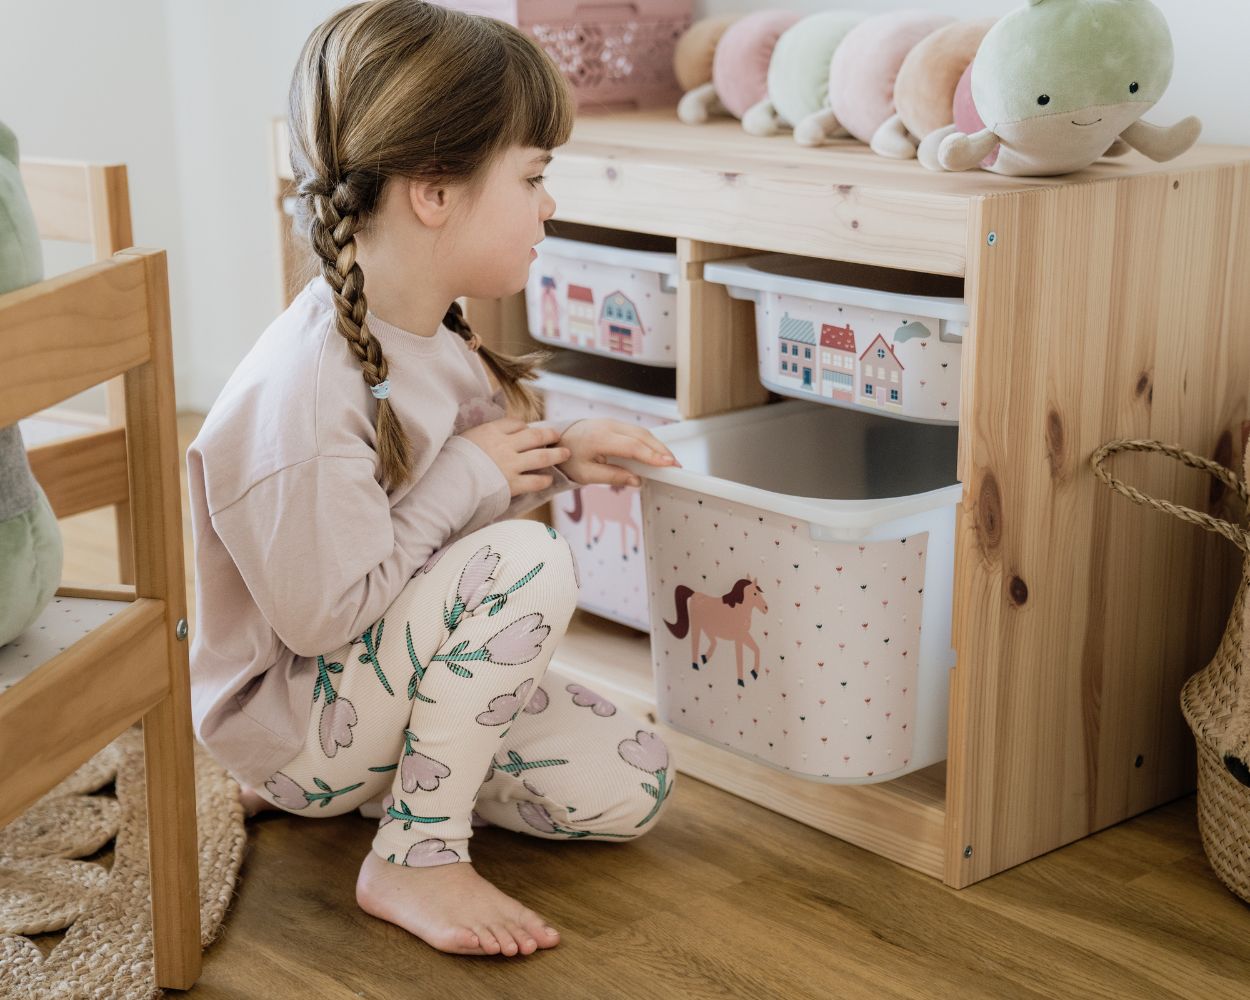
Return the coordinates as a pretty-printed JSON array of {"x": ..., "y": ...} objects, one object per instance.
[
  {"x": 817, "y": 128},
  {"x": 959, "y": 151},
  {"x": 1163, "y": 143},
  {"x": 1117, "y": 148},
  {"x": 927, "y": 153},
  {"x": 762, "y": 119},
  {"x": 696, "y": 105},
  {"x": 893, "y": 140}
]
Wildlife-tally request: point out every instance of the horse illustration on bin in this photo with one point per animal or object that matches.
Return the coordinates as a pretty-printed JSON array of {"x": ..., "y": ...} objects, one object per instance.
[
  {"x": 607, "y": 503},
  {"x": 725, "y": 617}
]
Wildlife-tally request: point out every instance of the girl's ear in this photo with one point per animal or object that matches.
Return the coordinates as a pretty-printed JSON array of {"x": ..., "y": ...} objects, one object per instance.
[{"x": 431, "y": 201}]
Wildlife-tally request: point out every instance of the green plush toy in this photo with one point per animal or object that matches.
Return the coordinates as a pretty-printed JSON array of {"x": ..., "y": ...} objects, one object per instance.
[
  {"x": 30, "y": 540},
  {"x": 1060, "y": 83}
]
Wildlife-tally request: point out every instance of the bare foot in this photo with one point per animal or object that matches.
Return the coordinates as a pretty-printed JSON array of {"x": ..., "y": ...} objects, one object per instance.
[{"x": 451, "y": 907}]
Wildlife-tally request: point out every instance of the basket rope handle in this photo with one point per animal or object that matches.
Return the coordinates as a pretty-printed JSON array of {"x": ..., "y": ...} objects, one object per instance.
[{"x": 1235, "y": 534}]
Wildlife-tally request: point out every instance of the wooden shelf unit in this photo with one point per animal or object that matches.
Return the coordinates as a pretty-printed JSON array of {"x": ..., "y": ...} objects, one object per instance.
[{"x": 1108, "y": 303}]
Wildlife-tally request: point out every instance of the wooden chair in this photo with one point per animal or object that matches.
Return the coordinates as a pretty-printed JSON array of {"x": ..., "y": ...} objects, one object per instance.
[
  {"x": 66, "y": 692},
  {"x": 87, "y": 203}
]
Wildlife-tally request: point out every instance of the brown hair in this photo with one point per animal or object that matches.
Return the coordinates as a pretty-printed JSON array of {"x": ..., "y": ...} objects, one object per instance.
[{"x": 407, "y": 88}]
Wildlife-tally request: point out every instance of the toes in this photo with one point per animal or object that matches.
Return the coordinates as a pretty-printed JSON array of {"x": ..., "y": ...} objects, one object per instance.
[
  {"x": 506, "y": 942},
  {"x": 537, "y": 928},
  {"x": 465, "y": 939},
  {"x": 524, "y": 939},
  {"x": 486, "y": 940}
]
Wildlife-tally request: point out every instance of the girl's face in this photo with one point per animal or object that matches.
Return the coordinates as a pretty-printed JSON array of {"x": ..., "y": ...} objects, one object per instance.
[{"x": 494, "y": 237}]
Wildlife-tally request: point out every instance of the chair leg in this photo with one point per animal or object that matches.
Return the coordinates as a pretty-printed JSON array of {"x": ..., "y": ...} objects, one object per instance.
[{"x": 173, "y": 850}]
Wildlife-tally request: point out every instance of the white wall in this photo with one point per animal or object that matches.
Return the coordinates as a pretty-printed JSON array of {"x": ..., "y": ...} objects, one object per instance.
[{"x": 182, "y": 91}]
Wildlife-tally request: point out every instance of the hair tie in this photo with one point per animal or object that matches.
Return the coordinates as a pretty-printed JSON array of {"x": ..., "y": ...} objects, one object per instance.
[{"x": 382, "y": 390}]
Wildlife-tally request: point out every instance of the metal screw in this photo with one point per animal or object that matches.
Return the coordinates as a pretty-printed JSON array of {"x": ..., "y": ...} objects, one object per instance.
[
  {"x": 181, "y": 630},
  {"x": 968, "y": 851},
  {"x": 1139, "y": 761},
  {"x": 992, "y": 239}
]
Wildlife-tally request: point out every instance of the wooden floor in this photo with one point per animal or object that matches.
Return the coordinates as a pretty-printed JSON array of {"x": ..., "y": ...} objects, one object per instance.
[{"x": 726, "y": 899}]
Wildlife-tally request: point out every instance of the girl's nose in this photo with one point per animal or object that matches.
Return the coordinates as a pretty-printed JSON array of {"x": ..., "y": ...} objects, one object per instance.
[{"x": 549, "y": 208}]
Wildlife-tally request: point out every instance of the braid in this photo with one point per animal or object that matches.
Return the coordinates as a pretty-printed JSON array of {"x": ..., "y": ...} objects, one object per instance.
[
  {"x": 512, "y": 373},
  {"x": 338, "y": 213}
]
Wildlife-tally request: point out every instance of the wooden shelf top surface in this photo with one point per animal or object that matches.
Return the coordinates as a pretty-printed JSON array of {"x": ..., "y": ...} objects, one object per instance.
[{"x": 646, "y": 171}]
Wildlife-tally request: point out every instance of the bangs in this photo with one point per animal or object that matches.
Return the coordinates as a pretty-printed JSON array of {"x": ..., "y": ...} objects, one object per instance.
[{"x": 540, "y": 102}]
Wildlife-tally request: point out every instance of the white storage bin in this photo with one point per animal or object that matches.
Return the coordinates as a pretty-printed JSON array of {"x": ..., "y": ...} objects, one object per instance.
[
  {"x": 824, "y": 539},
  {"x": 602, "y": 299},
  {"x": 604, "y": 523},
  {"x": 853, "y": 335}
]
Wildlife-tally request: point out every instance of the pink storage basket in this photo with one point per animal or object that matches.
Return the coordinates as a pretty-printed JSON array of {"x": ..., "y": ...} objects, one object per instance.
[
  {"x": 612, "y": 53},
  {"x": 604, "y": 523}
]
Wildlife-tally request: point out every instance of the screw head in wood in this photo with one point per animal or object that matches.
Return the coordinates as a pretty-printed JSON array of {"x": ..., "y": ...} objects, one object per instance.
[
  {"x": 181, "y": 629},
  {"x": 992, "y": 239},
  {"x": 968, "y": 851}
]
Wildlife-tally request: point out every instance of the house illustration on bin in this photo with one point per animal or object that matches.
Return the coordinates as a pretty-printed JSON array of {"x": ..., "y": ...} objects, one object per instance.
[
  {"x": 837, "y": 362},
  {"x": 880, "y": 375},
  {"x": 796, "y": 339},
  {"x": 580, "y": 312},
  {"x": 619, "y": 325},
  {"x": 551, "y": 308}
]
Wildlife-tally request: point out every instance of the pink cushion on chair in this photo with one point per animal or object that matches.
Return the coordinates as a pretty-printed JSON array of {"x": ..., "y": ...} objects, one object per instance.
[
  {"x": 865, "y": 65},
  {"x": 740, "y": 66}
]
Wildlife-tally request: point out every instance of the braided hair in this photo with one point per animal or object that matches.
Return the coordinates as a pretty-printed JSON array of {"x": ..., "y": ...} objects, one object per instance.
[{"x": 407, "y": 88}]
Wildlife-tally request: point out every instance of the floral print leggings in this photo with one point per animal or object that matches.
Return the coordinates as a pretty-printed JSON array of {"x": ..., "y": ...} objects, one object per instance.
[{"x": 447, "y": 701}]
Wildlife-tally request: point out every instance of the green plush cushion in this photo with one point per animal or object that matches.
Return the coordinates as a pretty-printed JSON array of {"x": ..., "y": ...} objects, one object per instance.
[
  {"x": 30, "y": 566},
  {"x": 798, "y": 74},
  {"x": 30, "y": 539},
  {"x": 1082, "y": 56}
]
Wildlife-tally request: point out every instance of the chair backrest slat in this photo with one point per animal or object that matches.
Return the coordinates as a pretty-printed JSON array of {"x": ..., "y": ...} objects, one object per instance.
[
  {"x": 63, "y": 335},
  {"x": 80, "y": 202}
]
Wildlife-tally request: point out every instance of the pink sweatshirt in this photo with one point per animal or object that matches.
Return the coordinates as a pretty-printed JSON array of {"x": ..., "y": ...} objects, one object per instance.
[{"x": 298, "y": 548}]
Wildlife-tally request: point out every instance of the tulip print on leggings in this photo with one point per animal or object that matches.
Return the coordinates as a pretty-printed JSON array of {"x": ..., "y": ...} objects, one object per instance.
[{"x": 453, "y": 681}]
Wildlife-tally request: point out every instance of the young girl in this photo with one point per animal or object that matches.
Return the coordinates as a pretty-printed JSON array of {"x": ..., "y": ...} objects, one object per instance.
[{"x": 374, "y": 625}]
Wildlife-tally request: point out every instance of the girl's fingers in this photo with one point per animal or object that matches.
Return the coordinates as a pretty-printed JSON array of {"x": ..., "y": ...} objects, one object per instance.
[
  {"x": 532, "y": 482},
  {"x": 541, "y": 458},
  {"x": 648, "y": 448}
]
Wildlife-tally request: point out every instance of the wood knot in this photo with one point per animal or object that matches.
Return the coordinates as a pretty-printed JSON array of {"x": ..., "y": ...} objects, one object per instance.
[
  {"x": 611, "y": 173},
  {"x": 1145, "y": 387},
  {"x": 1018, "y": 590},
  {"x": 1055, "y": 452},
  {"x": 845, "y": 188},
  {"x": 729, "y": 176},
  {"x": 989, "y": 521}
]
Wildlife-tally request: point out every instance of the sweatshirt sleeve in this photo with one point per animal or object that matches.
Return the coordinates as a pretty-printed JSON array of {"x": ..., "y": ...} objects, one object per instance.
[{"x": 324, "y": 553}]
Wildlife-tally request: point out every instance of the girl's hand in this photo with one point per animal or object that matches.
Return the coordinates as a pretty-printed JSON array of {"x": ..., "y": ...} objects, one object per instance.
[
  {"x": 518, "y": 449},
  {"x": 594, "y": 439}
]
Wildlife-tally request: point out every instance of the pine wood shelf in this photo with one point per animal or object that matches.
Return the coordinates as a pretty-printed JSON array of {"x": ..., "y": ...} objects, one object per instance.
[{"x": 1109, "y": 303}]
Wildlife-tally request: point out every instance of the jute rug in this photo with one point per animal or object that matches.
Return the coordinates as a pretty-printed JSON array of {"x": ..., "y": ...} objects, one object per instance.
[{"x": 106, "y": 950}]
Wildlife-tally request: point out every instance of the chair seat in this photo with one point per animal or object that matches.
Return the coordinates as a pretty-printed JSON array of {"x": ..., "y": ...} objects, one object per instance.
[{"x": 64, "y": 621}]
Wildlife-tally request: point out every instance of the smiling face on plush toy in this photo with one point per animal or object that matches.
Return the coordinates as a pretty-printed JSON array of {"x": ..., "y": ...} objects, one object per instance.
[{"x": 1071, "y": 74}]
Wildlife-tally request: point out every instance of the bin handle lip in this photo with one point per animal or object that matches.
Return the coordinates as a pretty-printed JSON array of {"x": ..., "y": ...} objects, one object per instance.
[
  {"x": 1237, "y": 535},
  {"x": 659, "y": 261}
]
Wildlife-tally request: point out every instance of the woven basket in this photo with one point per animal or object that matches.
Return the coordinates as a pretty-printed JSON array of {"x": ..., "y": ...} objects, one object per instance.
[{"x": 1215, "y": 700}]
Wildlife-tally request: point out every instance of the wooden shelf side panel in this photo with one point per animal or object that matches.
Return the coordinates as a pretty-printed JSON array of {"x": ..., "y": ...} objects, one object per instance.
[{"x": 1098, "y": 311}]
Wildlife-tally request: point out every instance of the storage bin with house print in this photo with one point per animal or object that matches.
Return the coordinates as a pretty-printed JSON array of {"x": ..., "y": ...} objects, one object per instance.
[
  {"x": 853, "y": 335},
  {"x": 800, "y": 567},
  {"x": 603, "y": 299},
  {"x": 602, "y": 523}
]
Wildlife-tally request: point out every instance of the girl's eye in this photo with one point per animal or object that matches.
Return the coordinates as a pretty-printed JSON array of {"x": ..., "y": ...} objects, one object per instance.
[{"x": 537, "y": 180}]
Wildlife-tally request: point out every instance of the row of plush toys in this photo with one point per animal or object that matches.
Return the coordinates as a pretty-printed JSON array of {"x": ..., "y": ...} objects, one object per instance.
[{"x": 1045, "y": 89}]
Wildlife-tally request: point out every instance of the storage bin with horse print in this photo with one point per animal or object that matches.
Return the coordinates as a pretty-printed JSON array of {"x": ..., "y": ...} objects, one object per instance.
[{"x": 800, "y": 568}]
